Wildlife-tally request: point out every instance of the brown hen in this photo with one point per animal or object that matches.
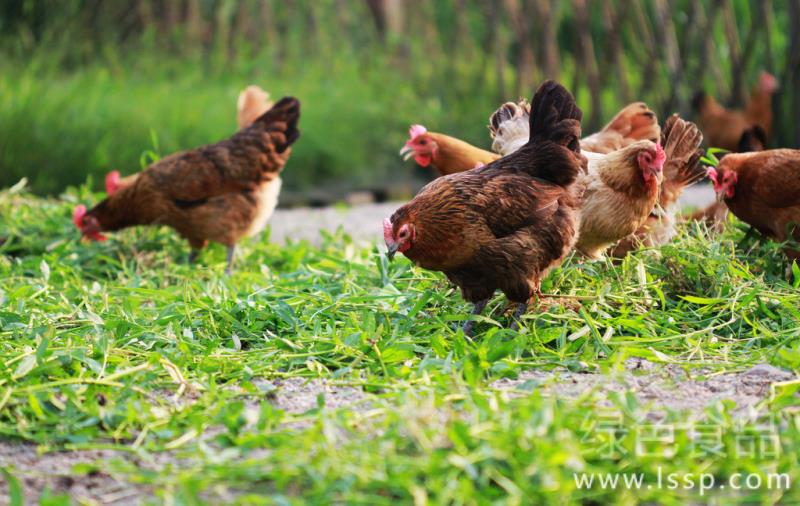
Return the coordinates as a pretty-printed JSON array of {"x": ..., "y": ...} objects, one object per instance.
[
  {"x": 220, "y": 192},
  {"x": 505, "y": 225},
  {"x": 446, "y": 154},
  {"x": 763, "y": 190},
  {"x": 724, "y": 128}
]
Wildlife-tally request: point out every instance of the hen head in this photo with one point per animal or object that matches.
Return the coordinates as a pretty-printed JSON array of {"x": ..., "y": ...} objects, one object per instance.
[
  {"x": 724, "y": 181},
  {"x": 651, "y": 162},
  {"x": 88, "y": 225},
  {"x": 767, "y": 82},
  {"x": 398, "y": 236},
  {"x": 420, "y": 145}
]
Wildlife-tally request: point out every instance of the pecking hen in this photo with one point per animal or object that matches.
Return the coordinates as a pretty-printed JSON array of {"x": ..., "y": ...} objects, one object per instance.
[
  {"x": 220, "y": 192},
  {"x": 763, "y": 190},
  {"x": 505, "y": 225}
]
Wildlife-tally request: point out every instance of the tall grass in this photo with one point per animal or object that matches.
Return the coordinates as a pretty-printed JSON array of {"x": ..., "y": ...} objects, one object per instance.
[
  {"x": 87, "y": 90},
  {"x": 57, "y": 127}
]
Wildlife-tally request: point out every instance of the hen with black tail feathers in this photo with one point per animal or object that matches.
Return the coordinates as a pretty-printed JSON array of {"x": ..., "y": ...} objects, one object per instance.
[
  {"x": 505, "y": 225},
  {"x": 220, "y": 192}
]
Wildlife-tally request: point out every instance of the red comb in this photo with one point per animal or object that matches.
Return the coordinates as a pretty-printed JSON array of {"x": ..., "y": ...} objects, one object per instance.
[
  {"x": 416, "y": 130},
  {"x": 77, "y": 218},
  {"x": 661, "y": 156},
  {"x": 77, "y": 215},
  {"x": 388, "y": 231},
  {"x": 712, "y": 174},
  {"x": 112, "y": 182}
]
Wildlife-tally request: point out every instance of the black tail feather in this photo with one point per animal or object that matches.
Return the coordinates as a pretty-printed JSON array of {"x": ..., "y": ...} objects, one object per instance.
[
  {"x": 555, "y": 116},
  {"x": 286, "y": 110}
]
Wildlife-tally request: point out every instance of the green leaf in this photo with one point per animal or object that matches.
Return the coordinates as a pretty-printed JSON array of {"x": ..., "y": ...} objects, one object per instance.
[
  {"x": 15, "y": 495},
  {"x": 705, "y": 301},
  {"x": 25, "y": 366}
]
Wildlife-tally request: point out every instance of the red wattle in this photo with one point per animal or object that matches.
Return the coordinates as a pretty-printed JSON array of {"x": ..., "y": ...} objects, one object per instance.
[{"x": 423, "y": 160}]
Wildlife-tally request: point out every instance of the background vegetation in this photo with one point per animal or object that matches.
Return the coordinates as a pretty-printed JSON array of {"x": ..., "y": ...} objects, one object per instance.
[{"x": 88, "y": 85}]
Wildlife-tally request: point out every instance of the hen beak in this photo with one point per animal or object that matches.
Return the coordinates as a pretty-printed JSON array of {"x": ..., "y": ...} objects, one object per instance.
[
  {"x": 720, "y": 196},
  {"x": 392, "y": 250},
  {"x": 406, "y": 152}
]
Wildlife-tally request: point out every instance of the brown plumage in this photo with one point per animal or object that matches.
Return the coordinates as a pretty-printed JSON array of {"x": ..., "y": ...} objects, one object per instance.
[
  {"x": 681, "y": 140},
  {"x": 252, "y": 103},
  {"x": 508, "y": 126},
  {"x": 723, "y": 127},
  {"x": 763, "y": 190},
  {"x": 505, "y": 225},
  {"x": 635, "y": 122},
  {"x": 220, "y": 192},
  {"x": 446, "y": 154},
  {"x": 715, "y": 215}
]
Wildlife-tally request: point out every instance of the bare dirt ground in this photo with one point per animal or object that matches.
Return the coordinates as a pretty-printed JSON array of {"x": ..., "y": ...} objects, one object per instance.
[{"x": 363, "y": 222}]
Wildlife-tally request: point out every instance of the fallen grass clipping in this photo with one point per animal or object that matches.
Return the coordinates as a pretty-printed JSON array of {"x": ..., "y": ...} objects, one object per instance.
[{"x": 176, "y": 369}]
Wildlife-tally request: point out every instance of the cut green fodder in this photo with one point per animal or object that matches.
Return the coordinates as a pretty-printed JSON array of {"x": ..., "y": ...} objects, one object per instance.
[{"x": 329, "y": 374}]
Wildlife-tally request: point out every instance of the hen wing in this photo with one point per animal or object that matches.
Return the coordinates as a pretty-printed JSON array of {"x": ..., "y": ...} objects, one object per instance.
[
  {"x": 635, "y": 122},
  {"x": 681, "y": 140},
  {"x": 251, "y": 156},
  {"x": 776, "y": 177}
]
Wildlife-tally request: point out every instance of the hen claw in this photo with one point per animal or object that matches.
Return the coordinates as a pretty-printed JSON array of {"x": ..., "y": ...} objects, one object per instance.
[{"x": 476, "y": 310}]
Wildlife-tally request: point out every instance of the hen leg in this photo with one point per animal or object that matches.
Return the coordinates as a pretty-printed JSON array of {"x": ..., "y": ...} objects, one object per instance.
[
  {"x": 476, "y": 310},
  {"x": 522, "y": 307},
  {"x": 196, "y": 246},
  {"x": 231, "y": 254}
]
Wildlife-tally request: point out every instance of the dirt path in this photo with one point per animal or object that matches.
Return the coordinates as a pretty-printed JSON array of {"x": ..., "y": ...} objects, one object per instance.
[{"x": 363, "y": 222}]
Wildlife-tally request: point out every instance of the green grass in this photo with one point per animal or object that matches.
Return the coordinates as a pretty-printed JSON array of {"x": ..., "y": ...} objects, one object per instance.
[{"x": 123, "y": 345}]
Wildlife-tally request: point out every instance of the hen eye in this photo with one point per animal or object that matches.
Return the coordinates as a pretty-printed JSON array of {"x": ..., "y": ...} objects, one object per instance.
[{"x": 423, "y": 142}]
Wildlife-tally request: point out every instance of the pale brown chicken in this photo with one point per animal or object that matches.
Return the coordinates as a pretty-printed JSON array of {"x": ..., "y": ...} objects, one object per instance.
[
  {"x": 621, "y": 187},
  {"x": 681, "y": 140},
  {"x": 723, "y": 128},
  {"x": 505, "y": 225},
  {"x": 446, "y": 154},
  {"x": 763, "y": 190},
  {"x": 220, "y": 192},
  {"x": 252, "y": 103},
  {"x": 508, "y": 127}
]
